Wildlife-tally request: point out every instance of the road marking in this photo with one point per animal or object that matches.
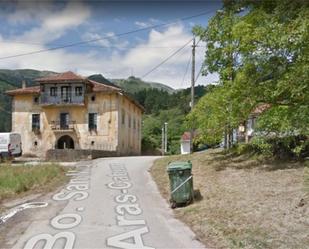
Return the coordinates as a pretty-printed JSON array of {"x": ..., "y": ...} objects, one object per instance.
[
  {"x": 80, "y": 209},
  {"x": 76, "y": 190},
  {"x": 9, "y": 214},
  {"x": 74, "y": 220},
  {"x": 126, "y": 206}
]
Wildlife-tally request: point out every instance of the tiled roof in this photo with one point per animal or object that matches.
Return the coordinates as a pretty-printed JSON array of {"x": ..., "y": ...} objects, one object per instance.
[
  {"x": 100, "y": 87},
  {"x": 186, "y": 136},
  {"x": 28, "y": 90},
  {"x": 62, "y": 77},
  {"x": 70, "y": 76},
  {"x": 259, "y": 109}
]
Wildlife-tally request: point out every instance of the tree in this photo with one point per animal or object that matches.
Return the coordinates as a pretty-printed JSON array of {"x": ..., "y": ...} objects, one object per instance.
[{"x": 260, "y": 51}]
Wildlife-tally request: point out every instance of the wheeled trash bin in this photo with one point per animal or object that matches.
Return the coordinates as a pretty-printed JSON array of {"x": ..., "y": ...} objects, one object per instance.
[{"x": 181, "y": 183}]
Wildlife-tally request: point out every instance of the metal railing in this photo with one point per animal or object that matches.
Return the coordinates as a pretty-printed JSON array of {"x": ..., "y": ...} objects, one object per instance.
[
  {"x": 45, "y": 99},
  {"x": 62, "y": 126}
]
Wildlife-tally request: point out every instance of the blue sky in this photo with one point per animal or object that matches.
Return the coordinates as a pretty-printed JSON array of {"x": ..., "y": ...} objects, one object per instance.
[{"x": 28, "y": 26}]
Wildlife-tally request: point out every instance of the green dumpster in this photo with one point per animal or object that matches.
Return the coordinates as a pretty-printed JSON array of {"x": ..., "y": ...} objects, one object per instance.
[{"x": 181, "y": 183}]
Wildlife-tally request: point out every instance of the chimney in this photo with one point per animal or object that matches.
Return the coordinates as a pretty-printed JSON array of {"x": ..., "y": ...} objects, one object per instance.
[{"x": 23, "y": 84}]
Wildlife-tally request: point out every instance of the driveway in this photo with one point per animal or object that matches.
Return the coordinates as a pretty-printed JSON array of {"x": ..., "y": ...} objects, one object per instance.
[{"x": 108, "y": 203}]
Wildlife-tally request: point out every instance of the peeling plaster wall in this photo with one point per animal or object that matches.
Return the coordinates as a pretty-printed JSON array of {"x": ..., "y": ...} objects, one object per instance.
[
  {"x": 129, "y": 135},
  {"x": 110, "y": 134},
  {"x": 23, "y": 108}
]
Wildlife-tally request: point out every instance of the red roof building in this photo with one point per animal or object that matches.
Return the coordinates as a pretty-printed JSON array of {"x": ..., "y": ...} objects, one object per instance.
[{"x": 68, "y": 111}]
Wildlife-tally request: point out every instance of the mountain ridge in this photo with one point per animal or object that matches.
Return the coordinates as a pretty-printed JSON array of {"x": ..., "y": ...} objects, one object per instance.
[{"x": 13, "y": 79}]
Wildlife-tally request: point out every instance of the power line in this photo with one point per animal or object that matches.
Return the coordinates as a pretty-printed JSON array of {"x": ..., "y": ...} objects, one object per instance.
[
  {"x": 94, "y": 46},
  {"x": 166, "y": 59},
  {"x": 187, "y": 68},
  {"x": 108, "y": 36},
  {"x": 199, "y": 73},
  {"x": 188, "y": 64}
]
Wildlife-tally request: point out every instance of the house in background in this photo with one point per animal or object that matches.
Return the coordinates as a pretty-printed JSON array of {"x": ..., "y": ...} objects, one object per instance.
[
  {"x": 67, "y": 111},
  {"x": 247, "y": 130},
  {"x": 185, "y": 143}
]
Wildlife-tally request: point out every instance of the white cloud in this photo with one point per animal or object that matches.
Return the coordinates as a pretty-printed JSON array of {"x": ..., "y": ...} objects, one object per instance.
[
  {"x": 108, "y": 39},
  {"x": 142, "y": 58},
  {"x": 145, "y": 24},
  {"x": 142, "y": 24},
  {"x": 54, "y": 24},
  {"x": 25, "y": 12}
]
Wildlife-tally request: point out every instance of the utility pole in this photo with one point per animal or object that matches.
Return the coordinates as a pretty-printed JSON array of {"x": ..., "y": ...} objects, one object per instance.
[
  {"x": 165, "y": 140},
  {"x": 162, "y": 142},
  {"x": 192, "y": 90}
]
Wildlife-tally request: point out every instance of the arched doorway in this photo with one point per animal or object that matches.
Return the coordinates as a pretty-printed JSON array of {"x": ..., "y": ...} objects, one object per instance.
[{"x": 65, "y": 142}]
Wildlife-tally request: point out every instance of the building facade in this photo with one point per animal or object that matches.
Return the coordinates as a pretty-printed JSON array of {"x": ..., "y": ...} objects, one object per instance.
[{"x": 67, "y": 111}]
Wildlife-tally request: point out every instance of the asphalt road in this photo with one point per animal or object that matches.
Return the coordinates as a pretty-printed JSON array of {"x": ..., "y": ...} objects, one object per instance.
[{"x": 109, "y": 203}]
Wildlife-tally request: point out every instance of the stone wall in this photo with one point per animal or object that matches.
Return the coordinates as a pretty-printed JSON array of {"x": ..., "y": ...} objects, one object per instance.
[{"x": 77, "y": 155}]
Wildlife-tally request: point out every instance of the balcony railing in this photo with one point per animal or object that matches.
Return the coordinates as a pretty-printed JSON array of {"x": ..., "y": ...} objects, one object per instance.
[
  {"x": 46, "y": 99},
  {"x": 62, "y": 126}
]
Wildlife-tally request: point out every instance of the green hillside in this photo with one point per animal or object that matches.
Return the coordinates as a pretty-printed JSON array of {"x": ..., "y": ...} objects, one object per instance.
[
  {"x": 134, "y": 85},
  {"x": 15, "y": 77}
]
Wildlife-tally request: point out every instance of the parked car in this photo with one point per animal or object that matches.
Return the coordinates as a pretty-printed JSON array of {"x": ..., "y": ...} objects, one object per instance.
[{"x": 10, "y": 145}]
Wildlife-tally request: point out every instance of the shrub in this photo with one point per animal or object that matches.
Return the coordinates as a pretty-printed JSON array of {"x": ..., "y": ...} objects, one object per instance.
[
  {"x": 289, "y": 147},
  {"x": 261, "y": 146}
]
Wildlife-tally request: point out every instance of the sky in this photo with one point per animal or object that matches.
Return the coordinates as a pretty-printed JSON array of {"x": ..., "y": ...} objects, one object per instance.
[{"x": 29, "y": 28}]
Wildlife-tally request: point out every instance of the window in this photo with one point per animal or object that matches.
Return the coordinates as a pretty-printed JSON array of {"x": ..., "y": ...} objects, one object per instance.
[
  {"x": 64, "y": 121},
  {"x": 92, "y": 121},
  {"x": 123, "y": 117},
  {"x": 53, "y": 91},
  {"x": 36, "y": 100},
  {"x": 35, "y": 122},
  {"x": 78, "y": 91},
  {"x": 93, "y": 98},
  {"x": 134, "y": 123},
  {"x": 129, "y": 121},
  {"x": 65, "y": 93}
]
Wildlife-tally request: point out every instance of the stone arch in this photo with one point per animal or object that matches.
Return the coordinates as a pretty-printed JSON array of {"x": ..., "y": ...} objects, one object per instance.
[{"x": 65, "y": 142}]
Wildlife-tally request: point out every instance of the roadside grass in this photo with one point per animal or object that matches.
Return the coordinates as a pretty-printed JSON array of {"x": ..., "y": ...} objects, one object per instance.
[
  {"x": 247, "y": 202},
  {"x": 16, "y": 181}
]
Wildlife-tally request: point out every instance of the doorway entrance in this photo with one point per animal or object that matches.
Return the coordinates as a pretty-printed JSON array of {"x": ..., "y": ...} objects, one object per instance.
[{"x": 65, "y": 142}]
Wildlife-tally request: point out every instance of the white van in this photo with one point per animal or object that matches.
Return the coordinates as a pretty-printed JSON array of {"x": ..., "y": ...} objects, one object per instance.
[{"x": 10, "y": 145}]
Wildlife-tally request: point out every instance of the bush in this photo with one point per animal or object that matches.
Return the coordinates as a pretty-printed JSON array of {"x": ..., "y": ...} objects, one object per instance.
[
  {"x": 290, "y": 147},
  {"x": 261, "y": 146}
]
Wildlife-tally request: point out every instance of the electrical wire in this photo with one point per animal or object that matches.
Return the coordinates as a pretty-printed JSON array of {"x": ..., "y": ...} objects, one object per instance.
[
  {"x": 199, "y": 73},
  {"x": 166, "y": 59},
  {"x": 187, "y": 68},
  {"x": 108, "y": 36}
]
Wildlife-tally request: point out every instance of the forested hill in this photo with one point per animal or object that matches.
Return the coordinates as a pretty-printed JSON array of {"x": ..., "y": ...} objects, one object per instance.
[
  {"x": 132, "y": 84},
  {"x": 10, "y": 79}
]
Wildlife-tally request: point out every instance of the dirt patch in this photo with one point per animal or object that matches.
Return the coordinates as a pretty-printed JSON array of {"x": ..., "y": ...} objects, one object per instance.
[{"x": 246, "y": 203}]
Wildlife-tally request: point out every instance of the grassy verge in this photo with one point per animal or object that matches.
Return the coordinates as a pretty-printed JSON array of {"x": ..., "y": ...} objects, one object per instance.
[
  {"x": 16, "y": 181},
  {"x": 247, "y": 203}
]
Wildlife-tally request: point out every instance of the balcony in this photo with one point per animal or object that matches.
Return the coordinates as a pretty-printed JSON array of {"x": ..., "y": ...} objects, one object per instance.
[
  {"x": 62, "y": 126},
  {"x": 47, "y": 100}
]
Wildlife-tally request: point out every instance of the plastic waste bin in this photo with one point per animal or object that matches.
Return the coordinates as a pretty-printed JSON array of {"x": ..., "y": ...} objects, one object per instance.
[{"x": 181, "y": 183}]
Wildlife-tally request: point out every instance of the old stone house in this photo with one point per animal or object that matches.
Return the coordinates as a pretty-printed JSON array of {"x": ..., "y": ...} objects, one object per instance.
[{"x": 67, "y": 111}]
